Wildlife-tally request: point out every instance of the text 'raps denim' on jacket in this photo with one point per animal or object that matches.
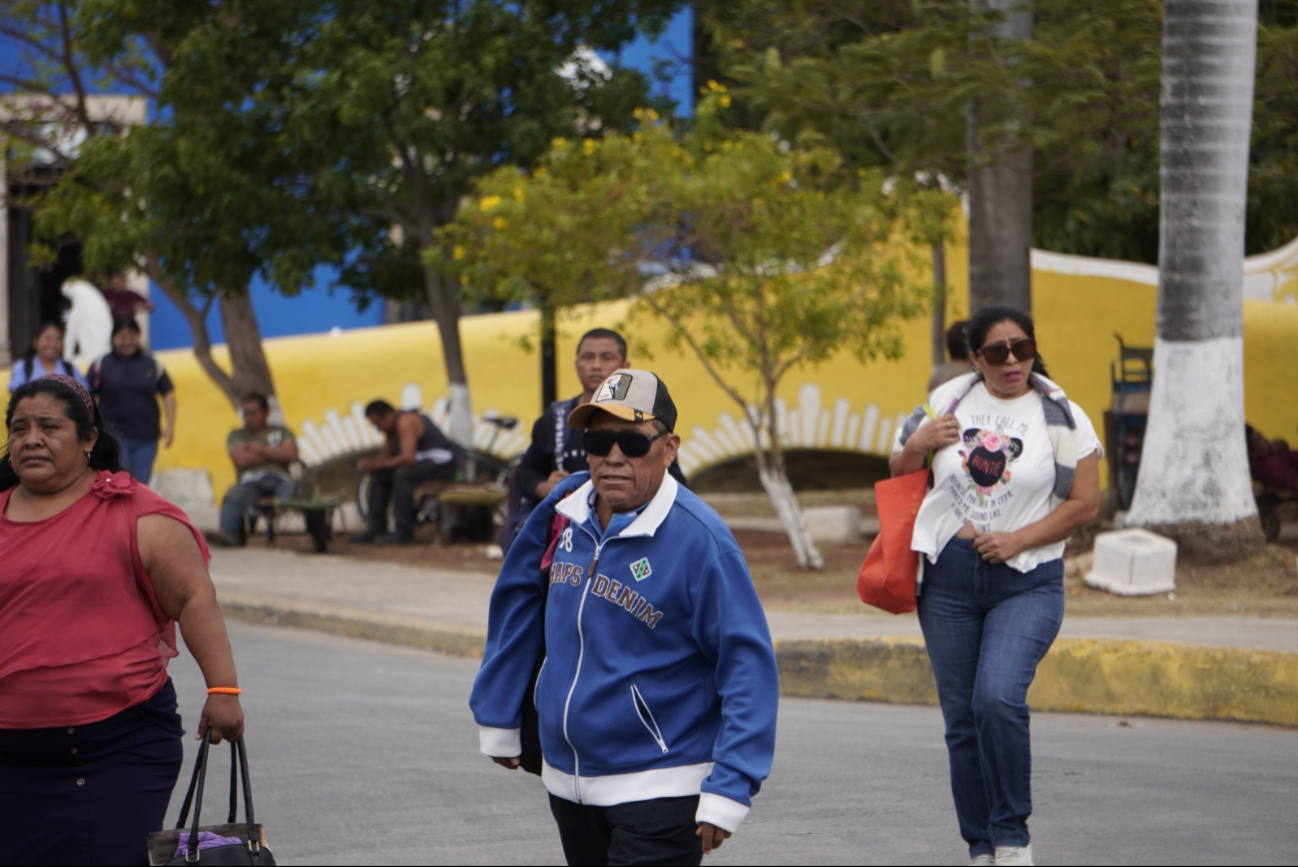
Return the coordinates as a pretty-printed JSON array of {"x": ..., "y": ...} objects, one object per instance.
[{"x": 659, "y": 678}]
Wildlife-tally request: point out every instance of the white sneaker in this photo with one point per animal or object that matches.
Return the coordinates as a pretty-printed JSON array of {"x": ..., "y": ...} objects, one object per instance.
[
  {"x": 986, "y": 859},
  {"x": 1013, "y": 855}
]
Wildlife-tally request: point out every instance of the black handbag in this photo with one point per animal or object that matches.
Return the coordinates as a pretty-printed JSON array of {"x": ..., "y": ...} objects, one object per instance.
[{"x": 251, "y": 848}]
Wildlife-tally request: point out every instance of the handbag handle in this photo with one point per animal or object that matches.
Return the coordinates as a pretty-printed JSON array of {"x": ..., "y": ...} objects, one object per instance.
[{"x": 194, "y": 795}]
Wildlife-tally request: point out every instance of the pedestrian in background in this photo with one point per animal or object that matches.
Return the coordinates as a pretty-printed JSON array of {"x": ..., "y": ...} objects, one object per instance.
[
  {"x": 98, "y": 570},
  {"x": 957, "y": 350},
  {"x": 128, "y": 382},
  {"x": 44, "y": 357},
  {"x": 556, "y": 450},
  {"x": 657, "y": 700},
  {"x": 414, "y": 451},
  {"x": 262, "y": 454},
  {"x": 1015, "y": 469},
  {"x": 122, "y": 301}
]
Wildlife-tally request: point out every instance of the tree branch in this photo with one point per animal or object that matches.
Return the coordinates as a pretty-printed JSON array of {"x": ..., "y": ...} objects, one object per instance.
[
  {"x": 197, "y": 324},
  {"x": 73, "y": 72},
  {"x": 662, "y": 311}
]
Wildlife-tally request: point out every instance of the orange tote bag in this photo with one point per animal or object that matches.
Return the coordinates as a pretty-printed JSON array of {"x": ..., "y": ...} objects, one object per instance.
[{"x": 888, "y": 575}]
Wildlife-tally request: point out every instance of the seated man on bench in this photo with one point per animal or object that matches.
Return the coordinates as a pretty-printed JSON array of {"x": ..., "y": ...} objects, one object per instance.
[
  {"x": 261, "y": 453},
  {"x": 415, "y": 451}
]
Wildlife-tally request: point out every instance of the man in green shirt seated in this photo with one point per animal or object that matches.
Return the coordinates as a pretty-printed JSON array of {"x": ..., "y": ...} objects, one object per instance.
[{"x": 261, "y": 453}]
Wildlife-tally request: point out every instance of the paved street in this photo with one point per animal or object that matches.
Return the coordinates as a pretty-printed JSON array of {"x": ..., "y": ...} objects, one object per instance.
[{"x": 365, "y": 754}]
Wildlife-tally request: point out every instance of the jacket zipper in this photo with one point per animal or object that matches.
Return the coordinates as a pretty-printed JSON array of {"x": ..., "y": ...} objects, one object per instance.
[
  {"x": 651, "y": 724},
  {"x": 581, "y": 652}
]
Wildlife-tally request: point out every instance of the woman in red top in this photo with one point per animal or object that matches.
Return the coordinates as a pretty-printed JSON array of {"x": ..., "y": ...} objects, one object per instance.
[{"x": 97, "y": 571}]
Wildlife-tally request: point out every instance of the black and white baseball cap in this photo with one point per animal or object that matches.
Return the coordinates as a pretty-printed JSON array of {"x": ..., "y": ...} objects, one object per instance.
[{"x": 634, "y": 395}]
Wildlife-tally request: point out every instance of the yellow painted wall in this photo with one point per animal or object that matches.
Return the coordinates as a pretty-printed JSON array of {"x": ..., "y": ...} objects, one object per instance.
[{"x": 323, "y": 380}]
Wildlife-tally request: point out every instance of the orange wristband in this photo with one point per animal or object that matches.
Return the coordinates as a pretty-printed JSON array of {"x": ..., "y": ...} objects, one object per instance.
[{"x": 225, "y": 690}]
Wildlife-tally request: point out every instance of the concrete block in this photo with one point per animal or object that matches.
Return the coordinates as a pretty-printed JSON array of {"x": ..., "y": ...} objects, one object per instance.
[
  {"x": 1133, "y": 563},
  {"x": 833, "y": 524},
  {"x": 185, "y": 488}
]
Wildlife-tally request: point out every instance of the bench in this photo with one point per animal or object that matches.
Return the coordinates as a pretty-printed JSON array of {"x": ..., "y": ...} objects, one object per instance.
[
  {"x": 438, "y": 501},
  {"x": 317, "y": 512}
]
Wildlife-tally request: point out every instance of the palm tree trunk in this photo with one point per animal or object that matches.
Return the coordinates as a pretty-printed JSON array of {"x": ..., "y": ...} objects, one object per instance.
[
  {"x": 1194, "y": 477},
  {"x": 1000, "y": 195}
]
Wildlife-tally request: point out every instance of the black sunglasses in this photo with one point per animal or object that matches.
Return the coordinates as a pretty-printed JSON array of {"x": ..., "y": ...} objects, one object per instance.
[
  {"x": 1024, "y": 349},
  {"x": 632, "y": 443}
]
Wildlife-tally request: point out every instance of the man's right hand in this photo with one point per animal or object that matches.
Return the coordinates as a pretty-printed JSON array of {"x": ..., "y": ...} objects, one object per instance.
[
  {"x": 552, "y": 481},
  {"x": 510, "y": 763},
  {"x": 712, "y": 836}
]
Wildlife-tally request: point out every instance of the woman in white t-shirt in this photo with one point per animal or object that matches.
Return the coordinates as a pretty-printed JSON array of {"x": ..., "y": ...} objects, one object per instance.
[{"x": 1015, "y": 471}]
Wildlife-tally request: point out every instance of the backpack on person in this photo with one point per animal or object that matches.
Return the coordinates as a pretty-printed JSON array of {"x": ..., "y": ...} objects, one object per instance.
[{"x": 60, "y": 366}]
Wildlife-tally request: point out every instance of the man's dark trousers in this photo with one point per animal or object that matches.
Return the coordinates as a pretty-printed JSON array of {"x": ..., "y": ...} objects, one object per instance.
[
  {"x": 398, "y": 487},
  {"x": 657, "y": 831}
]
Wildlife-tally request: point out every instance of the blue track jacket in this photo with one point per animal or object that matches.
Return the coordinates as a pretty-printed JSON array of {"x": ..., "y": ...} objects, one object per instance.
[{"x": 659, "y": 678}]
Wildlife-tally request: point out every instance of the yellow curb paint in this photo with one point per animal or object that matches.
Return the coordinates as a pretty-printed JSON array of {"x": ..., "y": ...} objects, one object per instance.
[{"x": 1180, "y": 681}]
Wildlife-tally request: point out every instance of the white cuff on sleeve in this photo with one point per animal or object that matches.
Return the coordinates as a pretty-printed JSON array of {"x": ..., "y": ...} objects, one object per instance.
[
  {"x": 500, "y": 743},
  {"x": 717, "y": 810}
]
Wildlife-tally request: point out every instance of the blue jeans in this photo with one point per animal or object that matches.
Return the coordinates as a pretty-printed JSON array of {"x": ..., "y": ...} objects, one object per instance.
[
  {"x": 237, "y": 500},
  {"x": 138, "y": 457},
  {"x": 986, "y": 627}
]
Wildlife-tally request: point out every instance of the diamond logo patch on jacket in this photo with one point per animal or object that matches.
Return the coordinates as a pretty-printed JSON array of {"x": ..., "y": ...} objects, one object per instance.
[{"x": 641, "y": 569}]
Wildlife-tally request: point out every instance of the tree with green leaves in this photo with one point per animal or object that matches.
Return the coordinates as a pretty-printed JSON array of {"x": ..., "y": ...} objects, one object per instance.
[
  {"x": 198, "y": 197},
  {"x": 769, "y": 256},
  {"x": 422, "y": 98},
  {"x": 887, "y": 83}
]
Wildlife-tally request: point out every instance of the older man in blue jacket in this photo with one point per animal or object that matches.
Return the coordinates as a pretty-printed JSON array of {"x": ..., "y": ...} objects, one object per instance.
[{"x": 658, "y": 694}]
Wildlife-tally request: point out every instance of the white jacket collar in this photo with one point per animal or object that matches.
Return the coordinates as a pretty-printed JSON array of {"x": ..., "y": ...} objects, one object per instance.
[{"x": 576, "y": 507}]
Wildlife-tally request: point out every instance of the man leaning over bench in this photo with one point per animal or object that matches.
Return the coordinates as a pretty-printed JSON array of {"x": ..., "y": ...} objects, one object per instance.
[
  {"x": 262, "y": 453},
  {"x": 414, "y": 451}
]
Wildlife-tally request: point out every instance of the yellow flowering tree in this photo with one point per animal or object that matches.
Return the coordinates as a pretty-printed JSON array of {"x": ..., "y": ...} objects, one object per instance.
[{"x": 762, "y": 256}]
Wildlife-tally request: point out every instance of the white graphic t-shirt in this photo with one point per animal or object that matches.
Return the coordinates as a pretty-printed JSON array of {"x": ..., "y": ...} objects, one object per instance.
[{"x": 999, "y": 477}]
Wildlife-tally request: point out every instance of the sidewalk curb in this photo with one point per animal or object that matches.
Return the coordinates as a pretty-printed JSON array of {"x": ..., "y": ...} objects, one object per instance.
[
  {"x": 451, "y": 639},
  {"x": 1079, "y": 675}
]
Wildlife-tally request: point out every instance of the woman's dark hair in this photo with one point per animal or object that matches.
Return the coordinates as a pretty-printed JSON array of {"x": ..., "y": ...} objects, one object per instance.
[
  {"x": 955, "y": 341},
  {"x": 983, "y": 321},
  {"x": 107, "y": 452},
  {"x": 125, "y": 323},
  {"x": 45, "y": 326}
]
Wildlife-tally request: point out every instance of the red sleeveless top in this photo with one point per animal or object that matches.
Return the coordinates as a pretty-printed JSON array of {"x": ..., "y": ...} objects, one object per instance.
[{"x": 82, "y": 636}]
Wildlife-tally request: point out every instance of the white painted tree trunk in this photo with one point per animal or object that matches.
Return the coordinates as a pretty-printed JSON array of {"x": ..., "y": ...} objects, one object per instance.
[
  {"x": 1194, "y": 478},
  {"x": 777, "y": 486},
  {"x": 1000, "y": 193},
  {"x": 775, "y": 481},
  {"x": 461, "y": 415}
]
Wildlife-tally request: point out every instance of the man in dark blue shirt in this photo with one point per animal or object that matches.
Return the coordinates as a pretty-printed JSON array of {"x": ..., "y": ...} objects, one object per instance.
[
  {"x": 556, "y": 450},
  {"x": 127, "y": 382}
]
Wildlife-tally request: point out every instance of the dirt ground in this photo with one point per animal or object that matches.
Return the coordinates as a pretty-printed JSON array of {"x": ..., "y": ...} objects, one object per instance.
[{"x": 1264, "y": 586}]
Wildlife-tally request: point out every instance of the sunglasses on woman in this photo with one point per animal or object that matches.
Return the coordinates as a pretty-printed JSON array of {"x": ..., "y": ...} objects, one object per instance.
[
  {"x": 1024, "y": 349},
  {"x": 632, "y": 443}
]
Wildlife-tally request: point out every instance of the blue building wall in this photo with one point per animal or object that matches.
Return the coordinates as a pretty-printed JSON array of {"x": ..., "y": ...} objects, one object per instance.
[{"x": 313, "y": 311}]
